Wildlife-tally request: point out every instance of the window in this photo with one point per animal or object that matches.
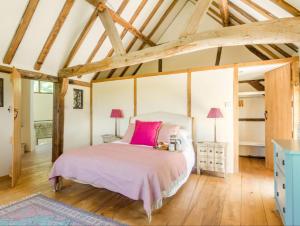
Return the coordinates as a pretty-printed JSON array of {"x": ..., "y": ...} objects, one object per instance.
[{"x": 42, "y": 87}]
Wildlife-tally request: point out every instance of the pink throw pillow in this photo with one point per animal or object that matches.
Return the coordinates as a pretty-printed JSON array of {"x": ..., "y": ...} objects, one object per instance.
[
  {"x": 128, "y": 135},
  {"x": 145, "y": 133},
  {"x": 166, "y": 131}
]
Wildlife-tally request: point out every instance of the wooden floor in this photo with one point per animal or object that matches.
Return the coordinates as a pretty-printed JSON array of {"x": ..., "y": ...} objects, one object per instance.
[{"x": 242, "y": 199}]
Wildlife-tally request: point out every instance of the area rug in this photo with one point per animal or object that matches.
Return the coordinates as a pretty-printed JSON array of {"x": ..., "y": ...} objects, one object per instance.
[{"x": 39, "y": 210}]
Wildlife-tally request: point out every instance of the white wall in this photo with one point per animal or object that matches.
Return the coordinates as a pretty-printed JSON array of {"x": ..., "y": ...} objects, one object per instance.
[
  {"x": 106, "y": 96},
  {"x": 77, "y": 121},
  {"x": 214, "y": 88},
  {"x": 166, "y": 93},
  {"x": 169, "y": 93},
  {"x": 6, "y": 123},
  {"x": 42, "y": 106}
]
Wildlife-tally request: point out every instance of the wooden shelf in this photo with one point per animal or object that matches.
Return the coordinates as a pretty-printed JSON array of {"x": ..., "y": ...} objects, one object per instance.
[
  {"x": 251, "y": 119},
  {"x": 252, "y": 94}
]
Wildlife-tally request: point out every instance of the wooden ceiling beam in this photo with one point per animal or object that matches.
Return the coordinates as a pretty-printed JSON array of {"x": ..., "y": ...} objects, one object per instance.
[
  {"x": 256, "y": 85},
  {"x": 104, "y": 35},
  {"x": 259, "y": 9},
  {"x": 287, "y": 7},
  {"x": 142, "y": 28},
  {"x": 33, "y": 75},
  {"x": 224, "y": 9},
  {"x": 253, "y": 19},
  {"x": 81, "y": 37},
  {"x": 271, "y": 31},
  {"x": 247, "y": 81},
  {"x": 214, "y": 14},
  {"x": 110, "y": 29},
  {"x": 20, "y": 32},
  {"x": 192, "y": 24},
  {"x": 53, "y": 34},
  {"x": 131, "y": 21},
  {"x": 162, "y": 18}
]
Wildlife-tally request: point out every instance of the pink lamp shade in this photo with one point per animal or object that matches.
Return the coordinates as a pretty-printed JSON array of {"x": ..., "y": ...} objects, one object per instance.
[
  {"x": 215, "y": 113},
  {"x": 116, "y": 113}
]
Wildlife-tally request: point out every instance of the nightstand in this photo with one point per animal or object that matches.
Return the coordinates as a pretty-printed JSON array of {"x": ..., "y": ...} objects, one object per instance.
[
  {"x": 109, "y": 138},
  {"x": 211, "y": 158}
]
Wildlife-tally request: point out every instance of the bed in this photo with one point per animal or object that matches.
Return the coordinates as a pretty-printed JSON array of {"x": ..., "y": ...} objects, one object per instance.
[{"x": 136, "y": 171}]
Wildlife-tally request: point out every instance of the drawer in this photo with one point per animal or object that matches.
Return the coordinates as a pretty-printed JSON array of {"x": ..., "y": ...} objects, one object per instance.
[
  {"x": 219, "y": 153},
  {"x": 280, "y": 189},
  {"x": 219, "y": 165},
  {"x": 279, "y": 158},
  {"x": 202, "y": 151},
  {"x": 203, "y": 164},
  {"x": 220, "y": 145}
]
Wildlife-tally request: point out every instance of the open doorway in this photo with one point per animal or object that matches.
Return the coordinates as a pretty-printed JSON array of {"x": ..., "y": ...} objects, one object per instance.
[
  {"x": 36, "y": 119},
  {"x": 265, "y": 112}
]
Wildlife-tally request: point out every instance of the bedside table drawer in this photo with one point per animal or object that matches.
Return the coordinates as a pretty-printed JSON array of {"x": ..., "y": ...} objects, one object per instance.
[
  {"x": 219, "y": 153},
  {"x": 203, "y": 164},
  {"x": 279, "y": 156},
  {"x": 219, "y": 165},
  {"x": 202, "y": 151}
]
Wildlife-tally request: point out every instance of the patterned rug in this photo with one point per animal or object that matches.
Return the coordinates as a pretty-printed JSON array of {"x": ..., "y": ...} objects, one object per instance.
[{"x": 39, "y": 210}]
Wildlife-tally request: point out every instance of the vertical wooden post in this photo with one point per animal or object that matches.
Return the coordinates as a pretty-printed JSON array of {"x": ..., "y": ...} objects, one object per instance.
[
  {"x": 16, "y": 138},
  {"x": 60, "y": 90},
  {"x": 91, "y": 114},
  {"x": 189, "y": 93},
  {"x": 218, "y": 57},
  {"x": 135, "y": 97},
  {"x": 236, "y": 117},
  {"x": 296, "y": 97},
  {"x": 160, "y": 65}
]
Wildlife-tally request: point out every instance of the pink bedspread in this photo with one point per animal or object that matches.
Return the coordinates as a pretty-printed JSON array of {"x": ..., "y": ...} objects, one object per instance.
[{"x": 137, "y": 172}]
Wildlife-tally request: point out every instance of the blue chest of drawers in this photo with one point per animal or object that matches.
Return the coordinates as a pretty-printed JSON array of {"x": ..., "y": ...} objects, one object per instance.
[{"x": 287, "y": 180}]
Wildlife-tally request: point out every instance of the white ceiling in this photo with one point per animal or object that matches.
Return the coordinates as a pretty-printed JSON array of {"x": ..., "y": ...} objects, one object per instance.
[
  {"x": 256, "y": 72},
  {"x": 48, "y": 10}
]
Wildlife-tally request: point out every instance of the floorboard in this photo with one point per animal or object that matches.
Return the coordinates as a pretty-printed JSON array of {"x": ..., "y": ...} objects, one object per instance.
[{"x": 245, "y": 198}]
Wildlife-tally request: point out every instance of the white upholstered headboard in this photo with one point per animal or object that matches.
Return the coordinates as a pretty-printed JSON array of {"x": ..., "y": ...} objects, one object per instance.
[{"x": 181, "y": 120}]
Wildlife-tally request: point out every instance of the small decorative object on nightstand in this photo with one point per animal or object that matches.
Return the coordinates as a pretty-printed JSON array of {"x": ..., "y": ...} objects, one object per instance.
[
  {"x": 211, "y": 158},
  {"x": 109, "y": 138}
]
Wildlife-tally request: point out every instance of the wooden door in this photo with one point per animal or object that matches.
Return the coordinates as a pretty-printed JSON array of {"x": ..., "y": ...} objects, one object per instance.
[
  {"x": 16, "y": 138},
  {"x": 279, "y": 109}
]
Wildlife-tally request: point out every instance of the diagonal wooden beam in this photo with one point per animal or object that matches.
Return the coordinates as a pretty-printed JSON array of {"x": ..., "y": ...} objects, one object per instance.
[
  {"x": 131, "y": 21},
  {"x": 194, "y": 21},
  {"x": 53, "y": 34},
  {"x": 81, "y": 37},
  {"x": 20, "y": 32},
  {"x": 256, "y": 85},
  {"x": 271, "y": 31},
  {"x": 111, "y": 29},
  {"x": 162, "y": 18},
  {"x": 216, "y": 16},
  {"x": 144, "y": 25},
  {"x": 259, "y": 9},
  {"x": 253, "y": 19},
  {"x": 287, "y": 7},
  {"x": 104, "y": 35},
  {"x": 223, "y": 5}
]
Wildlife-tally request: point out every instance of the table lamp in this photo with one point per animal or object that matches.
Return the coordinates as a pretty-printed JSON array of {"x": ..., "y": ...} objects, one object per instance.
[
  {"x": 215, "y": 113},
  {"x": 116, "y": 114}
]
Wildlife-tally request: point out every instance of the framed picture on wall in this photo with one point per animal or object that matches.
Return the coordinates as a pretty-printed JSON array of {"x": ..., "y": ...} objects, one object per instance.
[
  {"x": 77, "y": 99},
  {"x": 1, "y": 93}
]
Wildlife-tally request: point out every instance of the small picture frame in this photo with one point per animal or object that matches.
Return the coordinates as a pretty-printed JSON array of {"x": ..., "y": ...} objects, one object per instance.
[
  {"x": 77, "y": 99},
  {"x": 1, "y": 92}
]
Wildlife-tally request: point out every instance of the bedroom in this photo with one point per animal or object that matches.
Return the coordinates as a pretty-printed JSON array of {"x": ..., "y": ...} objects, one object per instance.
[{"x": 182, "y": 81}]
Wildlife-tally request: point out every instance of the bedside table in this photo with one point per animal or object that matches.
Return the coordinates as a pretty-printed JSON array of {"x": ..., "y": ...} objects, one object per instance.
[
  {"x": 109, "y": 138},
  {"x": 211, "y": 158}
]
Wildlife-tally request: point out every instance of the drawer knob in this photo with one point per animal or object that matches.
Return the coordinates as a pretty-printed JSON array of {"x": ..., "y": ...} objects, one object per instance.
[
  {"x": 277, "y": 194},
  {"x": 276, "y": 154},
  {"x": 283, "y": 186},
  {"x": 283, "y": 209},
  {"x": 283, "y": 162},
  {"x": 276, "y": 174}
]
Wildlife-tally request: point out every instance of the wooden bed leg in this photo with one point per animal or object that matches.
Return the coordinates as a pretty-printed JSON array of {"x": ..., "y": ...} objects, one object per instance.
[
  {"x": 149, "y": 216},
  {"x": 58, "y": 184}
]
